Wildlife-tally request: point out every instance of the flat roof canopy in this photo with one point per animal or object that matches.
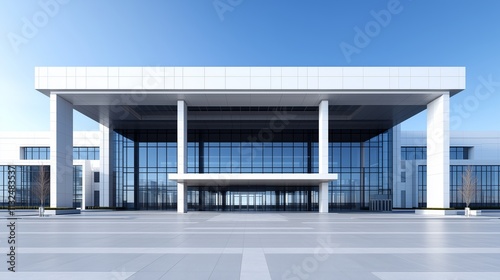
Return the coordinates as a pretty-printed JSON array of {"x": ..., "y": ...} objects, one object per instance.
[{"x": 367, "y": 96}]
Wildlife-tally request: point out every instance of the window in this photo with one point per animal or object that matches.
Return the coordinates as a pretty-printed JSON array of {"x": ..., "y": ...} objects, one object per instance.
[
  {"x": 35, "y": 153},
  {"x": 459, "y": 152},
  {"x": 43, "y": 153},
  {"x": 403, "y": 177},
  {"x": 86, "y": 153},
  {"x": 96, "y": 177},
  {"x": 418, "y": 153},
  {"x": 413, "y": 153}
]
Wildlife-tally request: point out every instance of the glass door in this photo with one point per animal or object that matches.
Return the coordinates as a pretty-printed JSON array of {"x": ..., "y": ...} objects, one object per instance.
[
  {"x": 251, "y": 201},
  {"x": 244, "y": 201}
]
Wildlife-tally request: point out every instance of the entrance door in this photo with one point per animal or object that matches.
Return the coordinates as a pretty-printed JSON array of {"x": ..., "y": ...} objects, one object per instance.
[
  {"x": 251, "y": 201},
  {"x": 244, "y": 201},
  {"x": 248, "y": 199},
  {"x": 96, "y": 198},
  {"x": 259, "y": 201},
  {"x": 403, "y": 199},
  {"x": 236, "y": 201}
]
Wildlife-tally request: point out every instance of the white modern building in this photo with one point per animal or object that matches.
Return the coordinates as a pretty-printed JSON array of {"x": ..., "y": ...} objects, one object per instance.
[
  {"x": 478, "y": 150},
  {"x": 249, "y": 138},
  {"x": 27, "y": 152}
]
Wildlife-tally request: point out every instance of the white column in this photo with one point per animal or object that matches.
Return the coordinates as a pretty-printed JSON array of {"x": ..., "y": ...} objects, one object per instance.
[
  {"x": 323, "y": 137},
  {"x": 84, "y": 187},
  {"x": 61, "y": 152},
  {"x": 105, "y": 168},
  {"x": 87, "y": 179},
  {"x": 438, "y": 152},
  {"x": 323, "y": 198},
  {"x": 181, "y": 154},
  {"x": 323, "y": 154},
  {"x": 181, "y": 197}
]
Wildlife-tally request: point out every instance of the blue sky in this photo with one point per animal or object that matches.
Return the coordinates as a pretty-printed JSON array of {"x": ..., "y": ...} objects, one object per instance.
[{"x": 247, "y": 33}]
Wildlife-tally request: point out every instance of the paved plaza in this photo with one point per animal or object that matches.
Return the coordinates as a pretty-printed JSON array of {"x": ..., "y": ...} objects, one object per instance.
[{"x": 272, "y": 245}]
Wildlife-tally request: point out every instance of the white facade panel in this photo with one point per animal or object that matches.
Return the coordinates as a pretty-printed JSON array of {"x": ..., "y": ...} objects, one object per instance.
[
  {"x": 419, "y": 71},
  {"x": 352, "y": 82},
  {"x": 330, "y": 72},
  {"x": 56, "y": 71},
  {"x": 419, "y": 82},
  {"x": 377, "y": 82},
  {"x": 353, "y": 77},
  {"x": 352, "y": 71},
  {"x": 289, "y": 82},
  {"x": 237, "y": 71},
  {"x": 193, "y": 82},
  {"x": 289, "y": 72},
  {"x": 130, "y": 71},
  {"x": 215, "y": 72},
  {"x": 153, "y": 82},
  {"x": 97, "y": 82},
  {"x": 238, "y": 83},
  {"x": 57, "y": 82},
  {"x": 376, "y": 71},
  {"x": 97, "y": 72},
  {"x": 260, "y": 82},
  {"x": 213, "y": 82},
  {"x": 194, "y": 72},
  {"x": 260, "y": 72}
]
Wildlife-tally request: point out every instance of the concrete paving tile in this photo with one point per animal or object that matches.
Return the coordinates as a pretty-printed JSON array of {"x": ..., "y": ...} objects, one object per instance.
[
  {"x": 156, "y": 244},
  {"x": 186, "y": 275},
  {"x": 163, "y": 263}
]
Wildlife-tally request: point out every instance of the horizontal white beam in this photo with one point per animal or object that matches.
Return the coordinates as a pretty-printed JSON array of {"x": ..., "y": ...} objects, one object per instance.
[
  {"x": 249, "y": 78},
  {"x": 222, "y": 179}
]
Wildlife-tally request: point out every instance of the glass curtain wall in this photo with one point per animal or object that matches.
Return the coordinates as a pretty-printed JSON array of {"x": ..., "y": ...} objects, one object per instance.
[
  {"x": 363, "y": 161},
  {"x": 144, "y": 158},
  {"x": 26, "y": 181},
  {"x": 249, "y": 151},
  {"x": 488, "y": 186}
]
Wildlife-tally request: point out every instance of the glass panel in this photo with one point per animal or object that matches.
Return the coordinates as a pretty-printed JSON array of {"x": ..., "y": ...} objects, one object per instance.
[{"x": 83, "y": 153}]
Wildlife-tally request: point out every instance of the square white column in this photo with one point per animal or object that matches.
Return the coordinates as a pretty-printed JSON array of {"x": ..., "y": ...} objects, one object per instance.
[
  {"x": 61, "y": 152},
  {"x": 323, "y": 137},
  {"x": 438, "y": 152},
  {"x": 87, "y": 179},
  {"x": 181, "y": 197},
  {"x": 181, "y": 154},
  {"x": 106, "y": 164},
  {"x": 323, "y": 154},
  {"x": 323, "y": 198}
]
